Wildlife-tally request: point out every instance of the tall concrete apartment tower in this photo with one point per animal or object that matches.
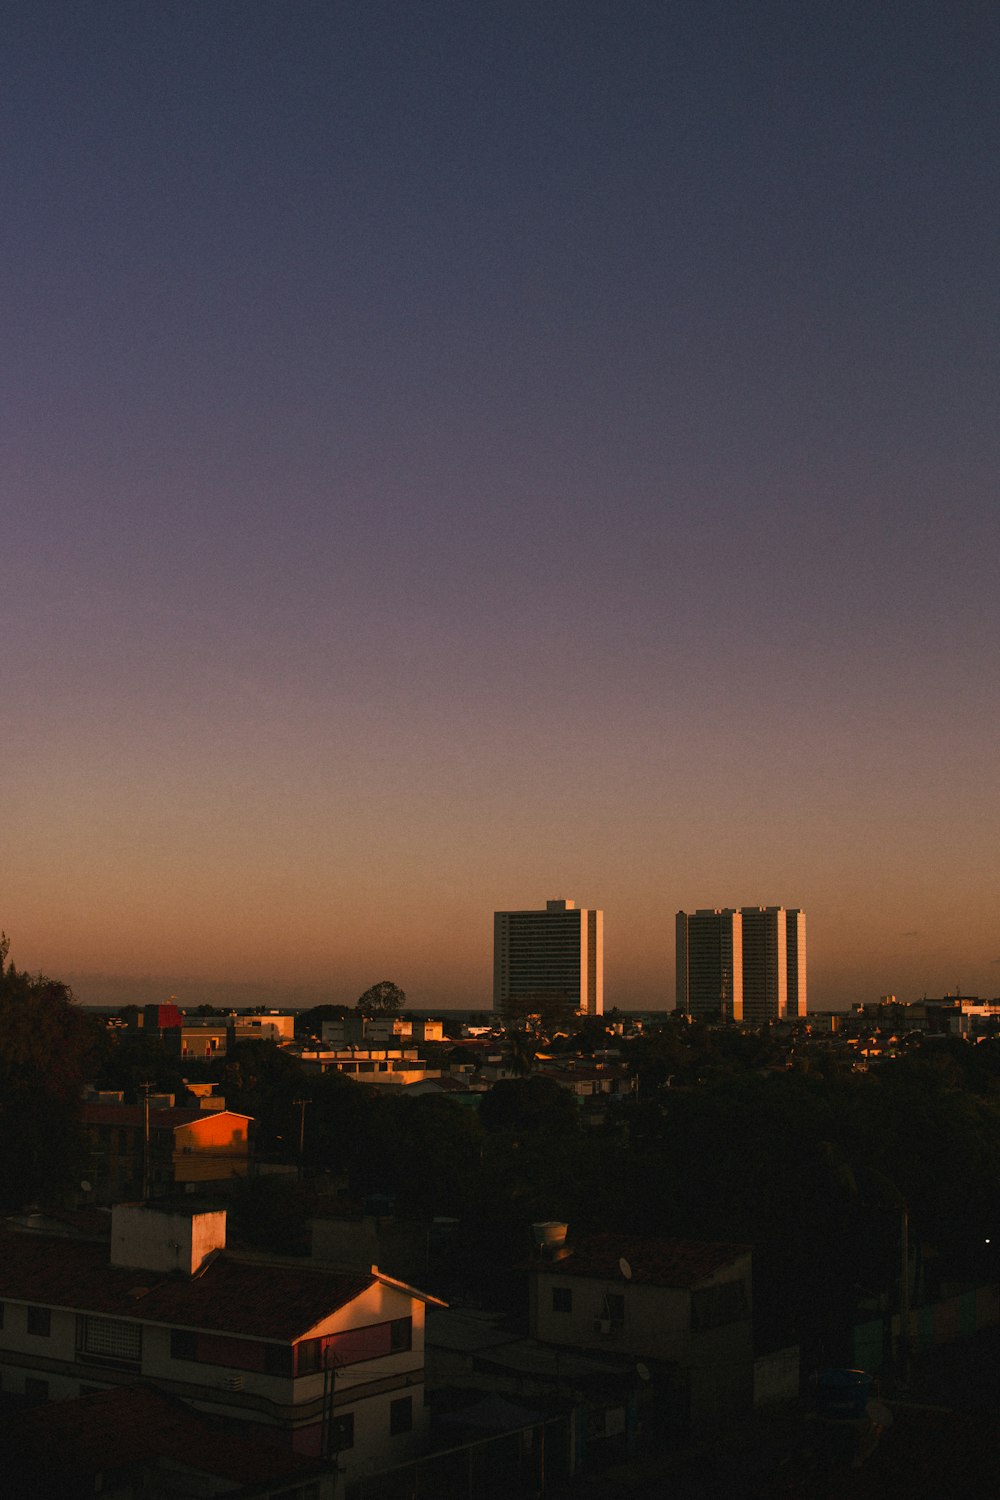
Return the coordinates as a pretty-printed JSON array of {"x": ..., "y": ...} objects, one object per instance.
[
  {"x": 557, "y": 952},
  {"x": 710, "y": 963},
  {"x": 746, "y": 965},
  {"x": 765, "y": 963},
  {"x": 795, "y": 965}
]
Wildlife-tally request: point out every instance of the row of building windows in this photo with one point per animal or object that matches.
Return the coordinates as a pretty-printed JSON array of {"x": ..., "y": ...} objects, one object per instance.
[
  {"x": 114, "y": 1341},
  {"x": 613, "y": 1305},
  {"x": 287, "y": 1361},
  {"x": 712, "y": 1307},
  {"x": 400, "y": 1421}
]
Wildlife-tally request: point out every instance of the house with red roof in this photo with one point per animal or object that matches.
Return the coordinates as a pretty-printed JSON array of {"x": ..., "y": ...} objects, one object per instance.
[
  {"x": 170, "y": 1145},
  {"x": 332, "y": 1363}
]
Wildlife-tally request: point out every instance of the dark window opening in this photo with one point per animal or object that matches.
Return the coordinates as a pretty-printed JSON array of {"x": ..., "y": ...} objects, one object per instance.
[
  {"x": 400, "y": 1416},
  {"x": 615, "y": 1307},
  {"x": 400, "y": 1335},
  {"x": 562, "y": 1299},
  {"x": 40, "y": 1321},
  {"x": 342, "y": 1432},
  {"x": 183, "y": 1345}
]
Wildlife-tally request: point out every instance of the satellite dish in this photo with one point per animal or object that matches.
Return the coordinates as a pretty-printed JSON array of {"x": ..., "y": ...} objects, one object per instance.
[
  {"x": 625, "y": 1268},
  {"x": 642, "y": 1371},
  {"x": 85, "y": 1187}
]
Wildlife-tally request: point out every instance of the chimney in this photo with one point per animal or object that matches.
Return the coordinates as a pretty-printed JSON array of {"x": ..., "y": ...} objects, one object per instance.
[{"x": 148, "y": 1238}]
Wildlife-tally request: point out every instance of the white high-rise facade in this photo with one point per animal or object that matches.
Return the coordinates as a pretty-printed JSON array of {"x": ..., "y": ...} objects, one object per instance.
[
  {"x": 795, "y": 929},
  {"x": 555, "y": 953},
  {"x": 742, "y": 965}
]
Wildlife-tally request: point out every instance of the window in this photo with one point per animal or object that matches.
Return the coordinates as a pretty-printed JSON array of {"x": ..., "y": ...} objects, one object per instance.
[
  {"x": 562, "y": 1299},
  {"x": 400, "y": 1416},
  {"x": 400, "y": 1335},
  {"x": 183, "y": 1345},
  {"x": 614, "y": 1307},
  {"x": 40, "y": 1322},
  {"x": 309, "y": 1357},
  {"x": 109, "y": 1341},
  {"x": 342, "y": 1432},
  {"x": 279, "y": 1360}
]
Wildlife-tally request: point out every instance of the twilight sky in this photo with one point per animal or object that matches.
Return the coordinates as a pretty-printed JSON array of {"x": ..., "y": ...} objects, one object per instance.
[{"x": 455, "y": 455}]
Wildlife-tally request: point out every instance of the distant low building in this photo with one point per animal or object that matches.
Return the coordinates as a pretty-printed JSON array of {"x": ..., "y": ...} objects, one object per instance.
[
  {"x": 392, "y": 1066},
  {"x": 381, "y": 1030}
]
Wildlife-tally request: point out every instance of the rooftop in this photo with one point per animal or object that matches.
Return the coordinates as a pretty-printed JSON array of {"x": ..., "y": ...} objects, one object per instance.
[
  {"x": 159, "y": 1119},
  {"x": 111, "y": 1430},
  {"x": 675, "y": 1263},
  {"x": 252, "y": 1300}
]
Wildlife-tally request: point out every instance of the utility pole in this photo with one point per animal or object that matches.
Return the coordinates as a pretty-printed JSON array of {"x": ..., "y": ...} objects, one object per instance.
[
  {"x": 302, "y": 1131},
  {"x": 146, "y": 1164},
  {"x": 904, "y": 1297}
]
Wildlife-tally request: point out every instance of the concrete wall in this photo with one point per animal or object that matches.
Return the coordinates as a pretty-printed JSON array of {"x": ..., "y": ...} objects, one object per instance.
[{"x": 154, "y": 1239}]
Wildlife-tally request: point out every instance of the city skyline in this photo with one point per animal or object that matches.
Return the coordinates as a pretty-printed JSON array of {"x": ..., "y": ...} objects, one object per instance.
[{"x": 452, "y": 456}]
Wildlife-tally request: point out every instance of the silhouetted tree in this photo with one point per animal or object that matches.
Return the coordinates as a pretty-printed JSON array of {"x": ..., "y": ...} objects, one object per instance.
[
  {"x": 526, "y": 1105},
  {"x": 543, "y": 1013},
  {"x": 310, "y": 1022},
  {"x": 382, "y": 999},
  {"x": 48, "y": 1047}
]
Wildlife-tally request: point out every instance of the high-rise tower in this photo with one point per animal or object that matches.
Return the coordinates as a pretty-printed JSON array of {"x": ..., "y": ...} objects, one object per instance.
[
  {"x": 556, "y": 954},
  {"x": 742, "y": 965},
  {"x": 710, "y": 963}
]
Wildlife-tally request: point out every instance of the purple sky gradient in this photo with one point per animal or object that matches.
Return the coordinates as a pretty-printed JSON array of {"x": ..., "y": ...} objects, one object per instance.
[{"x": 455, "y": 456}]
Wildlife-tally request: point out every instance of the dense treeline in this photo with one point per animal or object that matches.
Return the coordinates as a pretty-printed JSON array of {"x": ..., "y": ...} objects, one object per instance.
[{"x": 48, "y": 1048}]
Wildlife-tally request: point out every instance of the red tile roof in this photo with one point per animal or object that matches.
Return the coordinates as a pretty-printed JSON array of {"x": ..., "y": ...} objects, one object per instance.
[
  {"x": 249, "y": 1300},
  {"x": 676, "y": 1263},
  {"x": 131, "y": 1425},
  {"x": 132, "y": 1114},
  {"x": 159, "y": 1119}
]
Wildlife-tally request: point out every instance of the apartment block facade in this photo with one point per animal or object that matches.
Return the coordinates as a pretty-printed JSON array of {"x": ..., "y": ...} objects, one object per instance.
[
  {"x": 555, "y": 953},
  {"x": 745, "y": 965}
]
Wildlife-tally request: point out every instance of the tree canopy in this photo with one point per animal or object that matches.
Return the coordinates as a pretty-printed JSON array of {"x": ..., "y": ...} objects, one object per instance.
[
  {"x": 382, "y": 999},
  {"x": 48, "y": 1047}
]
